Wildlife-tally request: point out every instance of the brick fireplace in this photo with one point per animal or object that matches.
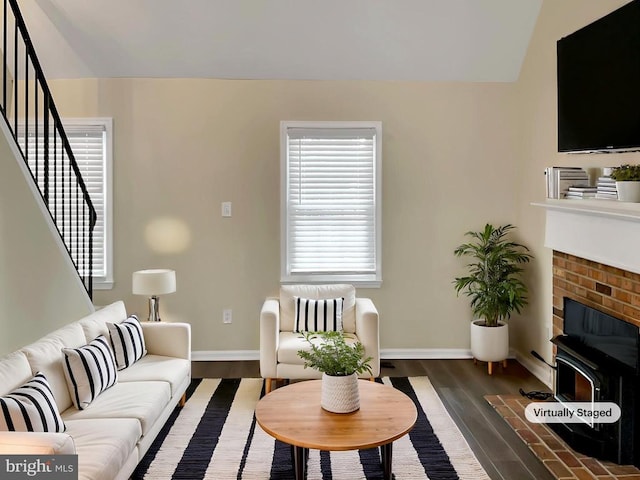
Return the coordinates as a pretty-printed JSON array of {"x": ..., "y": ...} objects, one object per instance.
[
  {"x": 596, "y": 288},
  {"x": 596, "y": 320},
  {"x": 609, "y": 289}
]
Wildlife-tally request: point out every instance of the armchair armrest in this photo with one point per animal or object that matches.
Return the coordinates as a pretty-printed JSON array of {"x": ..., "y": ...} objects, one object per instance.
[
  {"x": 269, "y": 330},
  {"x": 36, "y": 443},
  {"x": 368, "y": 331},
  {"x": 168, "y": 339}
]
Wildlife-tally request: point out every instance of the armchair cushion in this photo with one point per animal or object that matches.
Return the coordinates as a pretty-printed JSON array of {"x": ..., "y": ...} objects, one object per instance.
[
  {"x": 318, "y": 315},
  {"x": 291, "y": 343},
  {"x": 317, "y": 292}
]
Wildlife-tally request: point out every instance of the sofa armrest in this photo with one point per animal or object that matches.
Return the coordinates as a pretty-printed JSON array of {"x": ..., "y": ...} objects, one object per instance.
[
  {"x": 269, "y": 330},
  {"x": 368, "y": 331},
  {"x": 36, "y": 443},
  {"x": 168, "y": 339}
]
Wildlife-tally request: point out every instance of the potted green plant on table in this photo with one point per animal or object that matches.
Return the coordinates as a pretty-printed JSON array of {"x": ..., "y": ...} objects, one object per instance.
[
  {"x": 627, "y": 179},
  {"x": 340, "y": 363},
  {"x": 494, "y": 284}
]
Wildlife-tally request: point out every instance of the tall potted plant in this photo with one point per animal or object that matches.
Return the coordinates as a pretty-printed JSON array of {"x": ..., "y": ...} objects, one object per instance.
[
  {"x": 627, "y": 179},
  {"x": 494, "y": 284},
  {"x": 340, "y": 363}
]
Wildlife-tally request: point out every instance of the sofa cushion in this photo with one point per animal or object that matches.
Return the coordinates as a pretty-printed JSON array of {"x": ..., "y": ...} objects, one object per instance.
[
  {"x": 159, "y": 368},
  {"x": 89, "y": 370},
  {"x": 289, "y": 343},
  {"x": 14, "y": 371},
  {"x": 103, "y": 445},
  {"x": 317, "y": 315},
  {"x": 345, "y": 291},
  {"x": 95, "y": 324},
  {"x": 30, "y": 408},
  {"x": 70, "y": 335},
  {"x": 36, "y": 443},
  {"x": 46, "y": 356},
  {"x": 143, "y": 401},
  {"x": 127, "y": 341}
]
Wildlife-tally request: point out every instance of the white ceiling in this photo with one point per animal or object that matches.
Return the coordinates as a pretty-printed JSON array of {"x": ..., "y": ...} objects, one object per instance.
[{"x": 421, "y": 40}]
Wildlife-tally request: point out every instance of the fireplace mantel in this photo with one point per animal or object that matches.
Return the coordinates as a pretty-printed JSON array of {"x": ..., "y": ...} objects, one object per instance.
[{"x": 603, "y": 231}]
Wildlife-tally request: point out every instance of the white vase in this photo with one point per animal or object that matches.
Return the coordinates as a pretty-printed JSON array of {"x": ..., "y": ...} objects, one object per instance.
[
  {"x": 340, "y": 394},
  {"x": 489, "y": 344},
  {"x": 628, "y": 191}
]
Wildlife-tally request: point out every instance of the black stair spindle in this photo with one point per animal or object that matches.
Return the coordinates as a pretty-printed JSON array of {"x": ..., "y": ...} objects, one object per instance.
[{"x": 61, "y": 186}]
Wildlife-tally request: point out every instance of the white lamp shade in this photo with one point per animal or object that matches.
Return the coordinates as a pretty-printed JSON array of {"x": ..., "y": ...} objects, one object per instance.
[{"x": 154, "y": 282}]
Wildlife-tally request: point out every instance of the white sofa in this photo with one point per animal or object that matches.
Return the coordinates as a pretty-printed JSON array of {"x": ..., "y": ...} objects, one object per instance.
[
  {"x": 279, "y": 344},
  {"x": 113, "y": 433}
]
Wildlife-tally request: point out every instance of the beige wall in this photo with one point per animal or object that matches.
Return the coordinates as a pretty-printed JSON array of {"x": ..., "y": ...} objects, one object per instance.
[
  {"x": 39, "y": 289},
  {"x": 183, "y": 146},
  {"x": 538, "y": 149},
  {"x": 455, "y": 156}
]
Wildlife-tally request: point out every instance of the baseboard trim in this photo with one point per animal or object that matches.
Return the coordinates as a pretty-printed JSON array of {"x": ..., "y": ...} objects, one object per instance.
[
  {"x": 224, "y": 355},
  {"x": 536, "y": 367},
  {"x": 385, "y": 354},
  {"x": 424, "y": 353}
]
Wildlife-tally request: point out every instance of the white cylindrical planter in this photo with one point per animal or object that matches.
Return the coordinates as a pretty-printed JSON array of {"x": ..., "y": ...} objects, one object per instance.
[
  {"x": 340, "y": 394},
  {"x": 628, "y": 191},
  {"x": 489, "y": 344}
]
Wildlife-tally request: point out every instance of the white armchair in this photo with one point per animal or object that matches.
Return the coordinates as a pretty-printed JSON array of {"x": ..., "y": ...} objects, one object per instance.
[{"x": 279, "y": 344}]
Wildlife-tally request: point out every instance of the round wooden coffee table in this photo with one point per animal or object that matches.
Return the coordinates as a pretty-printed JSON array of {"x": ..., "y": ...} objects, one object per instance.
[{"x": 293, "y": 415}]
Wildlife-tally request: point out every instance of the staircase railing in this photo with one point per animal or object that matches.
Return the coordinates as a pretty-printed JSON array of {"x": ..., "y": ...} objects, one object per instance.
[{"x": 31, "y": 114}]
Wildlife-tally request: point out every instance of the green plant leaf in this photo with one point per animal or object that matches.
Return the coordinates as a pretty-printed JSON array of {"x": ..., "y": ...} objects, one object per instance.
[
  {"x": 331, "y": 354},
  {"x": 494, "y": 282}
]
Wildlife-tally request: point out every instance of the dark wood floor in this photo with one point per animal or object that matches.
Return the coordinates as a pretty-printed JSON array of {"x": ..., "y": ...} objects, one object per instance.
[{"x": 461, "y": 386}]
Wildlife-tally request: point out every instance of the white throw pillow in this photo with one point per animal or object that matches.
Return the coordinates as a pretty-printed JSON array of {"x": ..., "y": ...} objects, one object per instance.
[
  {"x": 324, "y": 315},
  {"x": 89, "y": 371},
  {"x": 127, "y": 341},
  {"x": 31, "y": 408}
]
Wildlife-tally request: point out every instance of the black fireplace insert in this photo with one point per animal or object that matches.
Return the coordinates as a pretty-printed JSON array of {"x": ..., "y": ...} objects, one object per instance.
[{"x": 597, "y": 361}]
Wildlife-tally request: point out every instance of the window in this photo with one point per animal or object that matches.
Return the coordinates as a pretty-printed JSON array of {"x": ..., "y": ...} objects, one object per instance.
[
  {"x": 330, "y": 202},
  {"x": 90, "y": 140}
]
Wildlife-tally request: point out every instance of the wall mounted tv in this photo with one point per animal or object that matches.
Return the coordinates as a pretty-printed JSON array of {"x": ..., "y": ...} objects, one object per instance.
[{"x": 599, "y": 84}]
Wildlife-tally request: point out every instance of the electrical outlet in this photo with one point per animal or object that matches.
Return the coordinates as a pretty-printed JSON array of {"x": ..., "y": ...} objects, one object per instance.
[{"x": 226, "y": 315}]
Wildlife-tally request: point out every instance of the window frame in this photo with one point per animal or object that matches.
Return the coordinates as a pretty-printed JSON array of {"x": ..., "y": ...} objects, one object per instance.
[
  {"x": 103, "y": 282},
  {"x": 366, "y": 280}
]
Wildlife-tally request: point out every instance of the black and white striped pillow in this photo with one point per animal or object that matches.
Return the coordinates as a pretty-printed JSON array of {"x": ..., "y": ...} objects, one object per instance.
[
  {"x": 89, "y": 370},
  {"x": 31, "y": 408},
  {"x": 127, "y": 341},
  {"x": 323, "y": 315}
]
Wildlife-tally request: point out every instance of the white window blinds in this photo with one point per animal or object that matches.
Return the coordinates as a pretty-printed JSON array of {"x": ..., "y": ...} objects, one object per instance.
[
  {"x": 331, "y": 203},
  {"x": 90, "y": 143}
]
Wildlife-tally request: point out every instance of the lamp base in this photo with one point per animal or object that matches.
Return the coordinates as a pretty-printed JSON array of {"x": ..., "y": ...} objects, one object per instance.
[{"x": 154, "y": 309}]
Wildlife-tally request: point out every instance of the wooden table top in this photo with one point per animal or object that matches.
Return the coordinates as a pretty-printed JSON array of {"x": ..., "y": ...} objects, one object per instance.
[{"x": 293, "y": 415}]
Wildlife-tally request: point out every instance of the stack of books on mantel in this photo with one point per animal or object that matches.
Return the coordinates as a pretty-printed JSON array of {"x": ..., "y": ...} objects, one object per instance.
[
  {"x": 580, "y": 193},
  {"x": 560, "y": 179},
  {"x": 606, "y": 188}
]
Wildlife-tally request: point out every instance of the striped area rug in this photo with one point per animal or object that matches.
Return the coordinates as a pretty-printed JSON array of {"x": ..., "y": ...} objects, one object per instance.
[{"x": 215, "y": 436}]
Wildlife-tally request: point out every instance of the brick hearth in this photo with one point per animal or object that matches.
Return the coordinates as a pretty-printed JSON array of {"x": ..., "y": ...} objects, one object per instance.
[{"x": 563, "y": 462}]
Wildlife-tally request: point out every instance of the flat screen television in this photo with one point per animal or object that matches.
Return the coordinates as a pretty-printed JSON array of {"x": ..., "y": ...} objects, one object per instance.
[{"x": 599, "y": 84}]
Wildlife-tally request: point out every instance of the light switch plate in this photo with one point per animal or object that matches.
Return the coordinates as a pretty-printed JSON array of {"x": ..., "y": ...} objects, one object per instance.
[{"x": 226, "y": 209}]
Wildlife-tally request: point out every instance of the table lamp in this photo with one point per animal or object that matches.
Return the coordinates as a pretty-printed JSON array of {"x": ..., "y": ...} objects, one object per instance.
[{"x": 153, "y": 283}]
